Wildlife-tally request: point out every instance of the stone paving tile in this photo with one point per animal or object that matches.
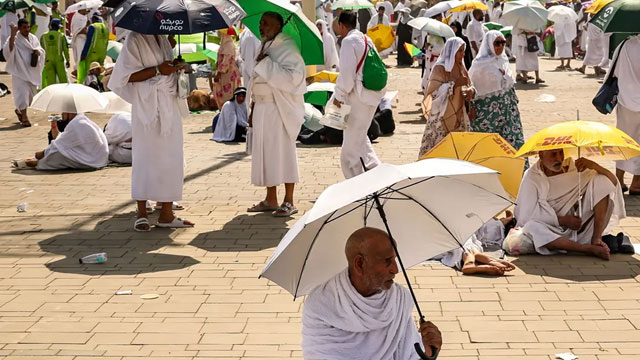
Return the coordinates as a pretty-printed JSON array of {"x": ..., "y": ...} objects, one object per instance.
[{"x": 211, "y": 304}]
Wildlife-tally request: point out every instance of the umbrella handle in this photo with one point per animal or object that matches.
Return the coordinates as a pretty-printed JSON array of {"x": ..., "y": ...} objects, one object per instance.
[{"x": 434, "y": 351}]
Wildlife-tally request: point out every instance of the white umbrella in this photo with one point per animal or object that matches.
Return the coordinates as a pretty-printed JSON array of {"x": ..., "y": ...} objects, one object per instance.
[
  {"x": 351, "y": 4},
  {"x": 321, "y": 86},
  {"x": 84, "y": 5},
  {"x": 69, "y": 98},
  {"x": 442, "y": 7},
  {"x": 561, "y": 13},
  {"x": 527, "y": 15},
  {"x": 116, "y": 104},
  {"x": 432, "y": 26}
]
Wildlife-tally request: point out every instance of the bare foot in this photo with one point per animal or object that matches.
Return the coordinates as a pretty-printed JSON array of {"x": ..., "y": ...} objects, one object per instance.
[
  {"x": 482, "y": 269},
  {"x": 502, "y": 264},
  {"x": 164, "y": 220},
  {"x": 601, "y": 251},
  {"x": 31, "y": 162}
]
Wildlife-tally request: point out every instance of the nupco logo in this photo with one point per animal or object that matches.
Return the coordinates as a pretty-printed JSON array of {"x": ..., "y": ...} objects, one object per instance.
[{"x": 607, "y": 12}]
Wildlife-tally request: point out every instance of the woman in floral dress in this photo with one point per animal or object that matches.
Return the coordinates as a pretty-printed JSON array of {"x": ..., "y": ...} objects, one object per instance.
[{"x": 227, "y": 76}]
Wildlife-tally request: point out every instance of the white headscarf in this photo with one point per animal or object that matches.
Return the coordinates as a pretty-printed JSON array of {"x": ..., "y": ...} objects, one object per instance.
[
  {"x": 489, "y": 72},
  {"x": 448, "y": 55}
]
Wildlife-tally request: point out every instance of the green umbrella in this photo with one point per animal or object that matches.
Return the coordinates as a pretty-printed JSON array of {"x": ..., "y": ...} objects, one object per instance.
[
  {"x": 113, "y": 49},
  {"x": 615, "y": 40},
  {"x": 319, "y": 93},
  {"x": 619, "y": 16},
  {"x": 493, "y": 26},
  {"x": 297, "y": 25},
  {"x": 506, "y": 30},
  {"x": 15, "y": 4}
]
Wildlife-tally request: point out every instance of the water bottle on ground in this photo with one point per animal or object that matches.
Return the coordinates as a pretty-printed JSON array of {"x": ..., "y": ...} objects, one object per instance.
[{"x": 98, "y": 258}]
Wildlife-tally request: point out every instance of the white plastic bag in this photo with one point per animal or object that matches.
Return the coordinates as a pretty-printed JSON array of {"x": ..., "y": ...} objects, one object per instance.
[
  {"x": 183, "y": 84},
  {"x": 518, "y": 243},
  {"x": 335, "y": 117}
]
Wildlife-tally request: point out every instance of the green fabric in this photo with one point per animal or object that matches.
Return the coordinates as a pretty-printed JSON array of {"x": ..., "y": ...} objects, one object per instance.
[
  {"x": 56, "y": 50},
  {"x": 374, "y": 73},
  {"x": 316, "y": 97},
  {"x": 54, "y": 72},
  {"x": 97, "y": 50},
  {"x": 618, "y": 17},
  {"x": 548, "y": 44},
  {"x": 499, "y": 114}
]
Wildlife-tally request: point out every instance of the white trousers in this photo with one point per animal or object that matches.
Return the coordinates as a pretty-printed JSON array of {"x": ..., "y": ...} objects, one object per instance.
[{"x": 355, "y": 143}]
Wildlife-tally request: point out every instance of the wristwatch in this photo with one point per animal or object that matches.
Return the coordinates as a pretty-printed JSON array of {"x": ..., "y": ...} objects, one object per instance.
[{"x": 158, "y": 73}]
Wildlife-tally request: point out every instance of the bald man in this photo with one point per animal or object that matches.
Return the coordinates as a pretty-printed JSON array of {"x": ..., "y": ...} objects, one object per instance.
[{"x": 361, "y": 313}]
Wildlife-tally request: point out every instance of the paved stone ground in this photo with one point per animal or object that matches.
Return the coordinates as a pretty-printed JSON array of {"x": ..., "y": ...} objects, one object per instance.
[{"x": 211, "y": 304}]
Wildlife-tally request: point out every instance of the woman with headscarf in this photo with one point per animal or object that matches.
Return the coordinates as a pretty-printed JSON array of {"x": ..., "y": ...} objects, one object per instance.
[
  {"x": 444, "y": 104},
  {"x": 404, "y": 33},
  {"x": 227, "y": 76},
  {"x": 329, "y": 47},
  {"x": 232, "y": 121},
  {"x": 496, "y": 102},
  {"x": 468, "y": 55}
]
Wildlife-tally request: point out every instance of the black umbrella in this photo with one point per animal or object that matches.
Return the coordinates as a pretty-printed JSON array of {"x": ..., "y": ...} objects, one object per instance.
[{"x": 160, "y": 17}]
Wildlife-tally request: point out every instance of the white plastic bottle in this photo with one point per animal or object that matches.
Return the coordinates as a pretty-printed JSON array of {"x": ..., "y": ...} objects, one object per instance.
[{"x": 98, "y": 258}]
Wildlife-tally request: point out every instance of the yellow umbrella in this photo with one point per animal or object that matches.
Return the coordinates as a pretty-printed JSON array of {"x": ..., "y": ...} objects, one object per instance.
[
  {"x": 583, "y": 139},
  {"x": 597, "y": 5},
  {"x": 470, "y": 6},
  {"x": 323, "y": 76},
  {"x": 382, "y": 36},
  {"x": 489, "y": 150}
]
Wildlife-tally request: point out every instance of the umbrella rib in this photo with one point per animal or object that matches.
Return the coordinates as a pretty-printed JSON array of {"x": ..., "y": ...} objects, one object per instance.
[{"x": 346, "y": 213}]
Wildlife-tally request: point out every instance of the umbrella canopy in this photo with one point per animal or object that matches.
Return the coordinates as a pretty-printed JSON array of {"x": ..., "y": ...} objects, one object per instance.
[
  {"x": 592, "y": 139},
  {"x": 176, "y": 17},
  {"x": 506, "y": 30},
  {"x": 561, "y": 13},
  {"x": 416, "y": 199},
  {"x": 412, "y": 50},
  {"x": 195, "y": 52},
  {"x": 416, "y": 5},
  {"x": 527, "y": 15},
  {"x": 83, "y": 5},
  {"x": 351, "y": 4},
  {"x": 116, "y": 105},
  {"x": 619, "y": 16},
  {"x": 596, "y": 6},
  {"x": 442, "y": 7},
  {"x": 432, "y": 26},
  {"x": 15, "y": 4},
  {"x": 113, "y": 49},
  {"x": 69, "y": 98},
  {"x": 297, "y": 25},
  {"x": 382, "y": 36},
  {"x": 493, "y": 25},
  {"x": 323, "y": 76},
  {"x": 319, "y": 93},
  {"x": 490, "y": 150},
  {"x": 469, "y": 5}
]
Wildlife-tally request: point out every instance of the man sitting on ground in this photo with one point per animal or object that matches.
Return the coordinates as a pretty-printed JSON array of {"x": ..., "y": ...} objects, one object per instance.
[
  {"x": 82, "y": 145},
  {"x": 547, "y": 207},
  {"x": 231, "y": 123},
  {"x": 118, "y": 133},
  {"x": 360, "y": 313}
]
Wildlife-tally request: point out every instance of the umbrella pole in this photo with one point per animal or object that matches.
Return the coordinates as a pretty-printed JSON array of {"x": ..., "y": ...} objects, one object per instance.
[{"x": 383, "y": 216}]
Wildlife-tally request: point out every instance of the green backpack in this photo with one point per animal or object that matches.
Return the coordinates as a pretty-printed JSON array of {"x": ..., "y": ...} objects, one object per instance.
[{"x": 374, "y": 74}]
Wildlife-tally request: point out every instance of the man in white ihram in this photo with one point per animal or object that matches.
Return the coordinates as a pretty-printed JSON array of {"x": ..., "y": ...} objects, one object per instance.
[
  {"x": 351, "y": 91},
  {"x": 248, "y": 49},
  {"x": 361, "y": 313}
]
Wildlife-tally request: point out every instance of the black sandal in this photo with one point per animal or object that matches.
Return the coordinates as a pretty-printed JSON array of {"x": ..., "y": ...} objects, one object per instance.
[
  {"x": 624, "y": 244},
  {"x": 612, "y": 243}
]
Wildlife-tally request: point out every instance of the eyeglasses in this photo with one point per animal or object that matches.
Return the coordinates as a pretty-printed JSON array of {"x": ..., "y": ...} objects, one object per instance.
[{"x": 500, "y": 43}]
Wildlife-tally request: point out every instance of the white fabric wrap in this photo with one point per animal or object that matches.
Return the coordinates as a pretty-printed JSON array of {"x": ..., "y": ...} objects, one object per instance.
[
  {"x": 19, "y": 60},
  {"x": 340, "y": 324},
  {"x": 447, "y": 56},
  {"x": 82, "y": 141},
  {"x": 628, "y": 73},
  {"x": 490, "y": 73},
  {"x": 232, "y": 114}
]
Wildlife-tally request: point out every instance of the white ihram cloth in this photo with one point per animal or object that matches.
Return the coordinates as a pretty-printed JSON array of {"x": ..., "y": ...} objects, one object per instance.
[
  {"x": 525, "y": 60},
  {"x": 78, "y": 23},
  {"x": 232, "y": 114},
  {"x": 543, "y": 198},
  {"x": 491, "y": 74},
  {"x": 628, "y": 109},
  {"x": 8, "y": 19},
  {"x": 351, "y": 91},
  {"x": 475, "y": 32},
  {"x": 564, "y": 32},
  {"x": 278, "y": 92},
  {"x": 248, "y": 49},
  {"x": 375, "y": 20},
  {"x": 25, "y": 79},
  {"x": 156, "y": 126},
  {"x": 595, "y": 49},
  {"x": 329, "y": 48},
  {"x": 340, "y": 324},
  {"x": 118, "y": 133},
  {"x": 82, "y": 141}
]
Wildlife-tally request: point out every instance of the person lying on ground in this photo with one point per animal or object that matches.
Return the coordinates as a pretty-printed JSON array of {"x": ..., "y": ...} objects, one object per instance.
[
  {"x": 232, "y": 121},
  {"x": 361, "y": 313},
  {"x": 551, "y": 195},
  {"x": 82, "y": 145},
  {"x": 118, "y": 133}
]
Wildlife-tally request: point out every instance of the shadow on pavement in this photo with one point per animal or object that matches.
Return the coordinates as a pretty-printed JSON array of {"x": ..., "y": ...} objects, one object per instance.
[
  {"x": 128, "y": 252},
  {"x": 244, "y": 233},
  {"x": 580, "y": 268}
]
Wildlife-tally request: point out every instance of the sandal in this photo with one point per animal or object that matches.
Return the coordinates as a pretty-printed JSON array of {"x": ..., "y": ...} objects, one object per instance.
[
  {"x": 20, "y": 165},
  {"x": 285, "y": 210},
  {"x": 177, "y": 223},
  {"x": 560, "y": 68},
  {"x": 175, "y": 206},
  {"x": 138, "y": 225},
  {"x": 262, "y": 206},
  {"x": 540, "y": 81}
]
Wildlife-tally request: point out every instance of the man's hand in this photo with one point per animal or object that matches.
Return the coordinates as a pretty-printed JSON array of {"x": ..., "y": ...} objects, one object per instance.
[
  {"x": 337, "y": 103},
  {"x": 582, "y": 164},
  {"x": 39, "y": 155},
  {"x": 570, "y": 221},
  {"x": 430, "y": 337},
  {"x": 166, "y": 68},
  {"x": 14, "y": 29}
]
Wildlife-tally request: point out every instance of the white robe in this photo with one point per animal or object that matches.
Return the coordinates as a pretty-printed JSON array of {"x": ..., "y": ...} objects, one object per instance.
[
  {"x": 595, "y": 49},
  {"x": 248, "y": 49},
  {"x": 25, "y": 78},
  {"x": 82, "y": 141},
  {"x": 350, "y": 90},
  {"x": 232, "y": 114},
  {"x": 340, "y": 324},
  {"x": 157, "y": 112},
  {"x": 78, "y": 23},
  {"x": 565, "y": 33},
  {"x": 375, "y": 20},
  {"x": 118, "y": 133},
  {"x": 278, "y": 92},
  {"x": 542, "y": 199},
  {"x": 525, "y": 60},
  {"x": 6, "y": 21},
  {"x": 475, "y": 32},
  {"x": 329, "y": 48}
]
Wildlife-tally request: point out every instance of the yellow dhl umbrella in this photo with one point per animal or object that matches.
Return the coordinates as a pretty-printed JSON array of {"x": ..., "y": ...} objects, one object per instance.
[
  {"x": 382, "y": 36},
  {"x": 470, "y": 6},
  {"x": 489, "y": 150},
  {"x": 597, "y": 5},
  {"x": 583, "y": 139},
  {"x": 323, "y": 76}
]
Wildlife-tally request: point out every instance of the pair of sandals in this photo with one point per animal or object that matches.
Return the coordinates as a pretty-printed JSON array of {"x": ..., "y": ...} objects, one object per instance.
[
  {"x": 285, "y": 210},
  {"x": 177, "y": 223},
  {"x": 22, "y": 121}
]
